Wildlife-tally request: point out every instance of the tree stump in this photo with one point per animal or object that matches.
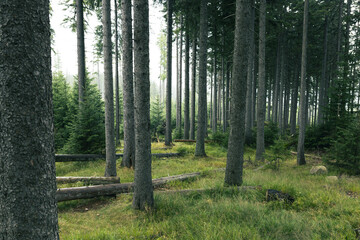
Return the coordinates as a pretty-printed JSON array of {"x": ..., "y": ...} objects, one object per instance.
[{"x": 275, "y": 195}]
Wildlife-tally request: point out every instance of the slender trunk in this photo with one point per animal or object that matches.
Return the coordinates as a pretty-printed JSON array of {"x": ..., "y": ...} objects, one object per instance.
[
  {"x": 234, "y": 163},
  {"x": 316, "y": 100},
  {"x": 250, "y": 74},
  {"x": 269, "y": 100},
  {"x": 260, "y": 142},
  {"x": 168, "y": 138},
  {"x": 128, "y": 90},
  {"x": 143, "y": 189},
  {"x": 227, "y": 107},
  {"x": 277, "y": 80},
  {"x": 117, "y": 97},
  {"x": 302, "y": 123},
  {"x": 323, "y": 90},
  {"x": 193, "y": 90},
  {"x": 280, "y": 92},
  {"x": 223, "y": 93},
  {"x": 286, "y": 104},
  {"x": 294, "y": 100},
  {"x": 110, "y": 169},
  {"x": 28, "y": 208},
  {"x": 80, "y": 49},
  {"x": 187, "y": 76},
  {"x": 215, "y": 106},
  {"x": 211, "y": 99},
  {"x": 202, "y": 123}
]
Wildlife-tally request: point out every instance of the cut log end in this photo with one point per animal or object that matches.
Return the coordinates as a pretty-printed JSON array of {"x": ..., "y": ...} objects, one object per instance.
[{"x": 275, "y": 195}]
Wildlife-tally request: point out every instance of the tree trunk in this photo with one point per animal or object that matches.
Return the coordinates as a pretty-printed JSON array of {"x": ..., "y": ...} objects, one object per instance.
[
  {"x": 168, "y": 137},
  {"x": 323, "y": 84},
  {"x": 193, "y": 90},
  {"x": 223, "y": 93},
  {"x": 234, "y": 163},
  {"x": 281, "y": 91},
  {"x": 110, "y": 169},
  {"x": 302, "y": 123},
  {"x": 294, "y": 100},
  {"x": 143, "y": 188},
  {"x": 187, "y": 76},
  {"x": 227, "y": 107},
  {"x": 117, "y": 97},
  {"x": 215, "y": 105},
  {"x": 128, "y": 92},
  {"x": 28, "y": 208},
  {"x": 286, "y": 104},
  {"x": 277, "y": 81},
  {"x": 202, "y": 122},
  {"x": 260, "y": 142},
  {"x": 269, "y": 99},
  {"x": 80, "y": 48},
  {"x": 250, "y": 79}
]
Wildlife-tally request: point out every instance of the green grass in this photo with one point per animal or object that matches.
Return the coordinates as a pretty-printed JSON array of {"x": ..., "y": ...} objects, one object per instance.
[{"x": 322, "y": 210}]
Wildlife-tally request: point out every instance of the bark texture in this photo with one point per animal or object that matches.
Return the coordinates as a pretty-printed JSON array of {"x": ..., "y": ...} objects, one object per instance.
[
  {"x": 261, "y": 108},
  {"x": 187, "y": 78},
  {"x": 250, "y": 79},
  {"x": 110, "y": 169},
  {"x": 80, "y": 48},
  {"x": 128, "y": 92},
  {"x": 143, "y": 188},
  {"x": 234, "y": 163},
  {"x": 202, "y": 119},
  {"x": 302, "y": 117},
  {"x": 28, "y": 208},
  {"x": 168, "y": 137},
  {"x": 117, "y": 97},
  {"x": 193, "y": 90}
]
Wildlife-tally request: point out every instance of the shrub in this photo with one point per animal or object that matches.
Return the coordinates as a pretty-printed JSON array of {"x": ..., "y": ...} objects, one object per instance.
[
  {"x": 344, "y": 153},
  {"x": 220, "y": 138},
  {"x": 318, "y": 137}
]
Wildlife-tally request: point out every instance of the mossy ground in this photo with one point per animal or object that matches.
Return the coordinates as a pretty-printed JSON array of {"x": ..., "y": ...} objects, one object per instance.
[{"x": 322, "y": 209}]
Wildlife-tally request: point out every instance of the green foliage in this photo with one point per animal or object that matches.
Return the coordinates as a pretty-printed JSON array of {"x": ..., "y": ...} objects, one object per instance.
[
  {"x": 344, "y": 153},
  {"x": 87, "y": 121},
  {"x": 271, "y": 133},
  {"x": 61, "y": 93},
  {"x": 318, "y": 137},
  {"x": 220, "y": 138},
  {"x": 157, "y": 119},
  {"x": 278, "y": 152}
]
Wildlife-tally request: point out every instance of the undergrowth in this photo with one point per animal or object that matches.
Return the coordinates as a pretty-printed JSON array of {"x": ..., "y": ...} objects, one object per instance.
[{"x": 322, "y": 209}]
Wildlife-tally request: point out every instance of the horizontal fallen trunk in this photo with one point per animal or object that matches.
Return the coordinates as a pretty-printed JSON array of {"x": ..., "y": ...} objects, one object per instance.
[
  {"x": 88, "y": 180},
  {"x": 66, "y": 194},
  {"x": 95, "y": 157},
  {"x": 188, "y": 140},
  {"x": 308, "y": 155},
  {"x": 189, "y": 191}
]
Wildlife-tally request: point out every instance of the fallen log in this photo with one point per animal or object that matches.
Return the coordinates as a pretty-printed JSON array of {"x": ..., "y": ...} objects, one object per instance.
[
  {"x": 88, "y": 180},
  {"x": 188, "y": 140},
  {"x": 308, "y": 155},
  {"x": 95, "y": 157},
  {"x": 189, "y": 191},
  {"x": 66, "y": 194}
]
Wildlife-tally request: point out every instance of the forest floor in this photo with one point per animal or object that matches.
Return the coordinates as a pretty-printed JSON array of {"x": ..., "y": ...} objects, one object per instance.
[{"x": 322, "y": 209}]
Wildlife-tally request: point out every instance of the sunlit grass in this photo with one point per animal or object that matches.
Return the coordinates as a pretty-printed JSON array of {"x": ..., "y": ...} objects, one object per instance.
[{"x": 322, "y": 209}]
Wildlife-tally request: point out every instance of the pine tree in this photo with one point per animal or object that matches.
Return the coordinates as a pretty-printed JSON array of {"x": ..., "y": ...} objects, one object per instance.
[
  {"x": 87, "y": 127},
  {"x": 61, "y": 94}
]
